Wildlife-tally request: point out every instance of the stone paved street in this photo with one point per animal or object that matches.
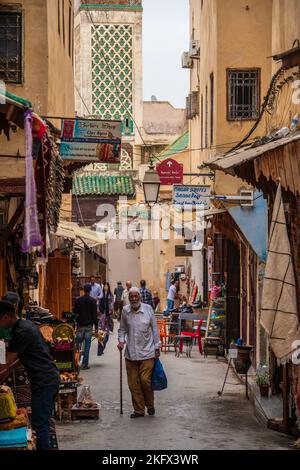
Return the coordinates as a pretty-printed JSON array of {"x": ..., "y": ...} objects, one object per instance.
[{"x": 190, "y": 415}]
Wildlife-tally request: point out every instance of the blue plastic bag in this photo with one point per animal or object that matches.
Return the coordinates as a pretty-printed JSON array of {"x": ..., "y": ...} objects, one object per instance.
[{"x": 159, "y": 379}]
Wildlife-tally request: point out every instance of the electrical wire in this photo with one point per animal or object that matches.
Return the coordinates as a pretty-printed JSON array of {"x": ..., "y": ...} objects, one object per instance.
[
  {"x": 79, "y": 209},
  {"x": 84, "y": 103}
]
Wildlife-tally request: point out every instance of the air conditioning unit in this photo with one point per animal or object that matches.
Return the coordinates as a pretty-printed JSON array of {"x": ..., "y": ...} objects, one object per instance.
[
  {"x": 247, "y": 198},
  {"x": 186, "y": 61},
  {"x": 194, "y": 49}
]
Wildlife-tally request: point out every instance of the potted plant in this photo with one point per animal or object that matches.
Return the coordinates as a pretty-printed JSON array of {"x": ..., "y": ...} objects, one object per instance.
[{"x": 263, "y": 381}]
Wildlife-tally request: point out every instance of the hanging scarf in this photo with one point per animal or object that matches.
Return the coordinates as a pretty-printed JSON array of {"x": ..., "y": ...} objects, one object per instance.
[{"x": 32, "y": 236}]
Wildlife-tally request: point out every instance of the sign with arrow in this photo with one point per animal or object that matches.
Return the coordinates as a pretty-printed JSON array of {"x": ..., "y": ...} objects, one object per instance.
[{"x": 170, "y": 172}]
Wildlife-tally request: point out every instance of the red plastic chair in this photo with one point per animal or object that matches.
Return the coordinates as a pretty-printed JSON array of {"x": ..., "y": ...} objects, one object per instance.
[
  {"x": 192, "y": 335},
  {"x": 164, "y": 335}
]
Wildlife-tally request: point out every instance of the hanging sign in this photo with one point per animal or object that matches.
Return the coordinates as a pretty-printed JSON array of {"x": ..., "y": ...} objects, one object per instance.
[
  {"x": 192, "y": 196},
  {"x": 87, "y": 140},
  {"x": 170, "y": 172}
]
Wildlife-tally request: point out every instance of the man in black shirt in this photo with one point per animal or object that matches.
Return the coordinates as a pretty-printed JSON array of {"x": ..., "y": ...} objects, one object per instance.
[
  {"x": 28, "y": 345},
  {"x": 85, "y": 309}
]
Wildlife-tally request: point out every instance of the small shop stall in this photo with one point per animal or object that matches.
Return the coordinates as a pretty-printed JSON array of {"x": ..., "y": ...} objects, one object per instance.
[
  {"x": 61, "y": 342},
  {"x": 15, "y": 431},
  {"x": 215, "y": 337}
]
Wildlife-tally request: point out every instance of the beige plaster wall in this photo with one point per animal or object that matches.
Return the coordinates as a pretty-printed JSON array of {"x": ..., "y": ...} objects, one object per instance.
[
  {"x": 158, "y": 258},
  {"x": 123, "y": 264},
  {"x": 232, "y": 34},
  {"x": 285, "y": 29},
  {"x": 244, "y": 41},
  {"x": 48, "y": 74},
  {"x": 286, "y": 25}
]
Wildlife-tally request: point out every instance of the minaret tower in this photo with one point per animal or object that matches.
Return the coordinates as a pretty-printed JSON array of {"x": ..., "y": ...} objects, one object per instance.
[{"x": 108, "y": 67}]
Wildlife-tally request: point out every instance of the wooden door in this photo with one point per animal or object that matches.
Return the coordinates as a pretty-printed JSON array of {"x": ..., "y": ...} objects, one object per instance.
[
  {"x": 244, "y": 292},
  {"x": 58, "y": 286},
  {"x": 2, "y": 278},
  {"x": 252, "y": 303},
  {"x": 233, "y": 293}
]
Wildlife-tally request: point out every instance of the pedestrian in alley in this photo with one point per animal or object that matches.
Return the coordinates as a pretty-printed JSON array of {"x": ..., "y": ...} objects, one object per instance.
[
  {"x": 29, "y": 347},
  {"x": 172, "y": 295},
  {"x": 85, "y": 310},
  {"x": 138, "y": 330},
  {"x": 118, "y": 305},
  {"x": 96, "y": 290},
  {"x": 125, "y": 295},
  {"x": 14, "y": 299},
  {"x": 106, "y": 307},
  {"x": 146, "y": 296},
  {"x": 156, "y": 301}
]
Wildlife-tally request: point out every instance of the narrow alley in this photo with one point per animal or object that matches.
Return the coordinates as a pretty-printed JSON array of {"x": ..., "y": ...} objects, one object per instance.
[
  {"x": 149, "y": 208},
  {"x": 189, "y": 413}
]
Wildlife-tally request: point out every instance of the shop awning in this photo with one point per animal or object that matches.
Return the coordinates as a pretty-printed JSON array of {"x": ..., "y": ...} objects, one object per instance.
[
  {"x": 279, "y": 315},
  {"x": 86, "y": 236},
  {"x": 229, "y": 162},
  {"x": 265, "y": 164},
  {"x": 213, "y": 211},
  {"x": 64, "y": 231},
  {"x": 6, "y": 96},
  {"x": 14, "y": 106}
]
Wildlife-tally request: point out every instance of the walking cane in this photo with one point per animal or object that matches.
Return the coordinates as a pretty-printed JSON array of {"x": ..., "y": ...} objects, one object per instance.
[{"x": 121, "y": 383}]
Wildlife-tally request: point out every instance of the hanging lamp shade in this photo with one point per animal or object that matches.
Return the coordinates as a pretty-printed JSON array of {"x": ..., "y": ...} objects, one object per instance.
[{"x": 151, "y": 185}]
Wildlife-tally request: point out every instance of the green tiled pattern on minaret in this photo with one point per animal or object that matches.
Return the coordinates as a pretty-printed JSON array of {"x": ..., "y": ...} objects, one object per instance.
[{"x": 112, "y": 76}]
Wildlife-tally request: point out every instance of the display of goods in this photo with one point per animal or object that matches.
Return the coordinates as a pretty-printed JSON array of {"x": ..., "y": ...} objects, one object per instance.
[
  {"x": 69, "y": 377},
  {"x": 85, "y": 398},
  {"x": 76, "y": 358},
  {"x": 8, "y": 408},
  {"x": 47, "y": 332},
  {"x": 23, "y": 395},
  {"x": 62, "y": 345},
  {"x": 63, "y": 333},
  {"x": 64, "y": 365},
  {"x": 20, "y": 421}
]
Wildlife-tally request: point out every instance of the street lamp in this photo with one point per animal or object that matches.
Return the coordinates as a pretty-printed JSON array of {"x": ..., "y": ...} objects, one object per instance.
[{"x": 151, "y": 185}]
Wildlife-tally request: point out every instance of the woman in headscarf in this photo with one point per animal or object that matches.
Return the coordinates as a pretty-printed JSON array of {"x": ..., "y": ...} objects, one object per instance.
[{"x": 106, "y": 307}]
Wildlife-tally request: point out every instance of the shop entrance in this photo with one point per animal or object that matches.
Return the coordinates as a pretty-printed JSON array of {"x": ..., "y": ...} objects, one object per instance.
[{"x": 233, "y": 292}]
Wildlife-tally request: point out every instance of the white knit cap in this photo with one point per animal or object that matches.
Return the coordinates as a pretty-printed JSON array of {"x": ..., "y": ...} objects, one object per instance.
[{"x": 134, "y": 290}]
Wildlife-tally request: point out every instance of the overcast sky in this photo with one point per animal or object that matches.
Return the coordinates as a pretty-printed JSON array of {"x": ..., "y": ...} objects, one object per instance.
[{"x": 166, "y": 36}]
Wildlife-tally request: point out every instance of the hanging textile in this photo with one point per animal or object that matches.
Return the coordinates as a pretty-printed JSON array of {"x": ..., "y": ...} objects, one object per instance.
[
  {"x": 279, "y": 304},
  {"x": 32, "y": 237},
  {"x": 54, "y": 176}
]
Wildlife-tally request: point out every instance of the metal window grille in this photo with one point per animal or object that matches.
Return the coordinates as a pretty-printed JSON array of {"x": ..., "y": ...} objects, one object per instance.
[
  {"x": 243, "y": 94},
  {"x": 11, "y": 63}
]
